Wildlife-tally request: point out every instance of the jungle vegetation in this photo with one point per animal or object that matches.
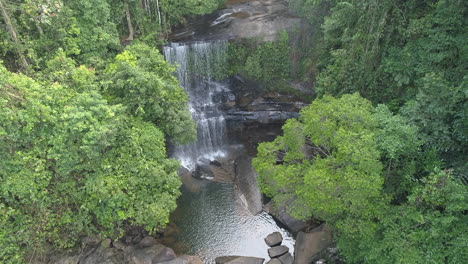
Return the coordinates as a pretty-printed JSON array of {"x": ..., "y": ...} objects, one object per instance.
[{"x": 381, "y": 154}]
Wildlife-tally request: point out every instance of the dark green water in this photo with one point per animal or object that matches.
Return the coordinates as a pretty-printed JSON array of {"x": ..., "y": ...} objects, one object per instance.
[{"x": 212, "y": 222}]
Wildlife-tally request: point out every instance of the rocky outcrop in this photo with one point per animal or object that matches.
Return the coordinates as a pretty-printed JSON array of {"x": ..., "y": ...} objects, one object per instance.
[
  {"x": 261, "y": 19},
  {"x": 264, "y": 117},
  {"x": 310, "y": 244},
  {"x": 249, "y": 102},
  {"x": 147, "y": 251},
  {"x": 281, "y": 214},
  {"x": 246, "y": 180},
  {"x": 156, "y": 253},
  {"x": 238, "y": 260}
]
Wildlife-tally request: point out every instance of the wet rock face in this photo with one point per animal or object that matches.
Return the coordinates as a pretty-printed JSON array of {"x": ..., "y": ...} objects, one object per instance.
[
  {"x": 241, "y": 19},
  {"x": 247, "y": 104},
  {"x": 246, "y": 180},
  {"x": 281, "y": 214}
]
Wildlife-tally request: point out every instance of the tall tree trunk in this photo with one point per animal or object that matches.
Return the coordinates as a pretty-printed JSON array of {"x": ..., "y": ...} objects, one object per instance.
[
  {"x": 159, "y": 12},
  {"x": 129, "y": 21},
  {"x": 13, "y": 34}
]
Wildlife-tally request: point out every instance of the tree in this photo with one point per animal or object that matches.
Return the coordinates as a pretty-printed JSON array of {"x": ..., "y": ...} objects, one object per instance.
[
  {"x": 400, "y": 147},
  {"x": 354, "y": 166},
  {"x": 328, "y": 159},
  {"x": 143, "y": 81},
  {"x": 439, "y": 109},
  {"x": 13, "y": 34},
  {"x": 175, "y": 10},
  {"x": 430, "y": 228},
  {"x": 74, "y": 165}
]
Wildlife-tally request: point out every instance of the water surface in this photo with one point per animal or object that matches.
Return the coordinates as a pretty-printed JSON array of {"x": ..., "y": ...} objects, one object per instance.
[{"x": 213, "y": 222}]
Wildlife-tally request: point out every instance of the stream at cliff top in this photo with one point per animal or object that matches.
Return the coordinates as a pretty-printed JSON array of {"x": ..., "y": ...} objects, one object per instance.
[{"x": 212, "y": 219}]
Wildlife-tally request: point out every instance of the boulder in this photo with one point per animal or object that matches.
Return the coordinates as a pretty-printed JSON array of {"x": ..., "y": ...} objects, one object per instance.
[
  {"x": 190, "y": 182},
  {"x": 184, "y": 260},
  {"x": 103, "y": 255},
  {"x": 118, "y": 244},
  {"x": 274, "y": 261},
  {"x": 274, "y": 239},
  {"x": 149, "y": 255},
  {"x": 203, "y": 169},
  {"x": 147, "y": 241},
  {"x": 286, "y": 259},
  {"x": 216, "y": 163},
  {"x": 281, "y": 214},
  {"x": 277, "y": 251},
  {"x": 310, "y": 244},
  {"x": 238, "y": 260}
]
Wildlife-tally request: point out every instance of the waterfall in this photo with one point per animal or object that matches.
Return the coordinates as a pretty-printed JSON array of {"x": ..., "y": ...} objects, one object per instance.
[{"x": 197, "y": 66}]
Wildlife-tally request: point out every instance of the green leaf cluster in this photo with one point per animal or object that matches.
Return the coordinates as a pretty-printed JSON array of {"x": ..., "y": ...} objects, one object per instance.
[
  {"x": 78, "y": 161},
  {"x": 88, "y": 31},
  {"x": 360, "y": 169},
  {"x": 327, "y": 161},
  {"x": 143, "y": 81},
  {"x": 267, "y": 62}
]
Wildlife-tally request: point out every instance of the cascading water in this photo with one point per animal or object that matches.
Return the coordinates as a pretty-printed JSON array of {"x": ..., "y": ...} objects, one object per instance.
[
  {"x": 196, "y": 68},
  {"x": 213, "y": 220}
]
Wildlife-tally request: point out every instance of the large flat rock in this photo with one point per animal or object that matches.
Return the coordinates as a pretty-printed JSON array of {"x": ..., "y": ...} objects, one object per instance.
[
  {"x": 238, "y": 260},
  {"x": 261, "y": 19}
]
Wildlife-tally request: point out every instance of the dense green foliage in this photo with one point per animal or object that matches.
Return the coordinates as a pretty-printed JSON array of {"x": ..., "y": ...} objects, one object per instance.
[
  {"x": 176, "y": 10},
  {"x": 358, "y": 168},
  {"x": 267, "y": 62},
  {"x": 73, "y": 163},
  {"x": 410, "y": 55},
  {"x": 89, "y": 30},
  {"x": 83, "y": 149},
  {"x": 390, "y": 184},
  {"x": 339, "y": 134},
  {"x": 83, "y": 126},
  {"x": 142, "y": 80},
  {"x": 83, "y": 129}
]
